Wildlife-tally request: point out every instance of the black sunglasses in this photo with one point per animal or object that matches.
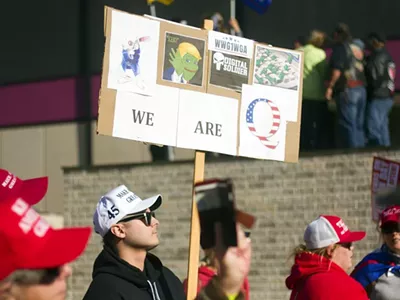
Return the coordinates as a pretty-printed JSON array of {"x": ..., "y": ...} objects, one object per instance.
[
  {"x": 346, "y": 245},
  {"x": 146, "y": 216},
  {"x": 390, "y": 228},
  {"x": 42, "y": 276}
]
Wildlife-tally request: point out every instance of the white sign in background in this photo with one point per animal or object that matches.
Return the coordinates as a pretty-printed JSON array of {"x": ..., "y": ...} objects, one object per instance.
[
  {"x": 152, "y": 119},
  {"x": 207, "y": 122},
  {"x": 229, "y": 44},
  {"x": 262, "y": 124},
  {"x": 133, "y": 55}
]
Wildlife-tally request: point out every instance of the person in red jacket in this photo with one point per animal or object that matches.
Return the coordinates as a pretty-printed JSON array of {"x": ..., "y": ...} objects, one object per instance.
[
  {"x": 320, "y": 266},
  {"x": 208, "y": 269}
]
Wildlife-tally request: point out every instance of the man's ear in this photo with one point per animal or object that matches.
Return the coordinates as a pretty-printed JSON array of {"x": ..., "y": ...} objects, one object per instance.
[
  {"x": 330, "y": 250},
  {"x": 118, "y": 230}
]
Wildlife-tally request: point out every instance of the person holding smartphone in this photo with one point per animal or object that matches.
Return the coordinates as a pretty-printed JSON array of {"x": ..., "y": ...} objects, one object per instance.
[{"x": 209, "y": 268}]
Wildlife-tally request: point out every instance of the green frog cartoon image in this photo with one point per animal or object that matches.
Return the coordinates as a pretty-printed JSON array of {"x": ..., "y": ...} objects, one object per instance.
[{"x": 185, "y": 63}]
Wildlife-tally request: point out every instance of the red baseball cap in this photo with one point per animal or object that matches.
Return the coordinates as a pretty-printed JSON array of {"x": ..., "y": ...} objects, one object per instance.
[
  {"x": 27, "y": 241},
  {"x": 390, "y": 215},
  {"x": 328, "y": 230},
  {"x": 31, "y": 190}
]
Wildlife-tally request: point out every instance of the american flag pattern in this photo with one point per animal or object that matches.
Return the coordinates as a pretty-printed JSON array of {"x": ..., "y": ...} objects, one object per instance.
[{"x": 276, "y": 121}]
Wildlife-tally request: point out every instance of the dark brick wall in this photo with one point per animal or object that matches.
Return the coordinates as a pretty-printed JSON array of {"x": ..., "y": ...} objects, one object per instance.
[{"x": 284, "y": 197}]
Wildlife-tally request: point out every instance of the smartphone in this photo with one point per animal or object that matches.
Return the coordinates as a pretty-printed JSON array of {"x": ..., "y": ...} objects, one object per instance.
[{"x": 216, "y": 204}]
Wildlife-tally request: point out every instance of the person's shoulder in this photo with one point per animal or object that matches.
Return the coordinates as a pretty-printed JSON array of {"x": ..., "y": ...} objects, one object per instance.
[
  {"x": 331, "y": 277},
  {"x": 334, "y": 284},
  {"x": 169, "y": 275},
  {"x": 174, "y": 283},
  {"x": 103, "y": 285}
]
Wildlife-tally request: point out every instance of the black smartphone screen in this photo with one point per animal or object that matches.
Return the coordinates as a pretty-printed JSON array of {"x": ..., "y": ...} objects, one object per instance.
[{"x": 216, "y": 204}]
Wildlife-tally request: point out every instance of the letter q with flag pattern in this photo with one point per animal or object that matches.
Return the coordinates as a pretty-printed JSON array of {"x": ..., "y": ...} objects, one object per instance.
[{"x": 276, "y": 121}]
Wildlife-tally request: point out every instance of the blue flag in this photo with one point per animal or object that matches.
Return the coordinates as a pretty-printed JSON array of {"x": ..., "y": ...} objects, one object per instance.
[{"x": 260, "y": 6}]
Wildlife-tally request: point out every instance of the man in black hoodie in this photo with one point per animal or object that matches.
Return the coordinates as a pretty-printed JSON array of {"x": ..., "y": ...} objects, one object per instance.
[{"x": 125, "y": 270}]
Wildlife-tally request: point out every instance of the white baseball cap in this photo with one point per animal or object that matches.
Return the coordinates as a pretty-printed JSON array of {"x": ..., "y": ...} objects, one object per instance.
[
  {"x": 118, "y": 203},
  {"x": 328, "y": 230}
]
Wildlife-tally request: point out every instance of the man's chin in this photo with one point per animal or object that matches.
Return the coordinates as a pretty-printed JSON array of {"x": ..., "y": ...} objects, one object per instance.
[{"x": 151, "y": 247}]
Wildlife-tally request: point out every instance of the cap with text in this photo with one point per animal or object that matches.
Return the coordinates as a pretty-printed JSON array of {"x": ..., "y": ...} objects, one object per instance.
[
  {"x": 31, "y": 190},
  {"x": 390, "y": 215},
  {"x": 27, "y": 241},
  {"x": 328, "y": 230},
  {"x": 118, "y": 203}
]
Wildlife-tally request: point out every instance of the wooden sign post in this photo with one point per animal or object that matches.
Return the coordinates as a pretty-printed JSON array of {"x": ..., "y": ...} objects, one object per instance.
[{"x": 194, "y": 242}]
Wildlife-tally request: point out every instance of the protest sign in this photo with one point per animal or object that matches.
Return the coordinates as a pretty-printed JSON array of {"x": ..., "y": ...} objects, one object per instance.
[
  {"x": 170, "y": 84},
  {"x": 385, "y": 178}
]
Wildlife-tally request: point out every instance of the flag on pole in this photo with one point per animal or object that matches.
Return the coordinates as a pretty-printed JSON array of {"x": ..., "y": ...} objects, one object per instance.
[
  {"x": 165, "y": 2},
  {"x": 260, "y": 6}
]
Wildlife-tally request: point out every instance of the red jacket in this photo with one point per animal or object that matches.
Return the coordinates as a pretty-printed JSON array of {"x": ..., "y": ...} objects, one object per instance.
[
  {"x": 314, "y": 277},
  {"x": 206, "y": 274}
]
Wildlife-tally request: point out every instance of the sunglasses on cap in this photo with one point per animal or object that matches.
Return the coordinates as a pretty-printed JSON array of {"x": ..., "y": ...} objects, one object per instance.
[
  {"x": 346, "y": 245},
  {"x": 41, "y": 276},
  {"x": 145, "y": 216},
  {"x": 390, "y": 227}
]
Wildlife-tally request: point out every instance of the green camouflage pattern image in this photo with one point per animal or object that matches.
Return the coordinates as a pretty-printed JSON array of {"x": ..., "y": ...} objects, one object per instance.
[{"x": 276, "y": 68}]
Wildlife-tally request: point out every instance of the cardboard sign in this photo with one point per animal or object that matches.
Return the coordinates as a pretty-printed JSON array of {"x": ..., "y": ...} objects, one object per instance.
[
  {"x": 169, "y": 84},
  {"x": 385, "y": 178}
]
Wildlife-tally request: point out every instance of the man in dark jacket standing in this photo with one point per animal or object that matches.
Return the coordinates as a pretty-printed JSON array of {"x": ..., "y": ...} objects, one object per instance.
[
  {"x": 125, "y": 269},
  {"x": 346, "y": 85},
  {"x": 380, "y": 72}
]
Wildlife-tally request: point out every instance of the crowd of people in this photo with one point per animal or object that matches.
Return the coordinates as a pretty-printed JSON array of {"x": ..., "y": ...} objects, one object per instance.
[
  {"x": 348, "y": 97},
  {"x": 35, "y": 257}
]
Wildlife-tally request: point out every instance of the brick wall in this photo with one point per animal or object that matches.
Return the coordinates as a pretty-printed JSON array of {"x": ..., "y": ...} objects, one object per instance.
[{"x": 284, "y": 197}]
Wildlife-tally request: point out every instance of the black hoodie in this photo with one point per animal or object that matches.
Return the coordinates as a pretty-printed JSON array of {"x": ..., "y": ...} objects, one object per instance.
[{"x": 115, "y": 279}]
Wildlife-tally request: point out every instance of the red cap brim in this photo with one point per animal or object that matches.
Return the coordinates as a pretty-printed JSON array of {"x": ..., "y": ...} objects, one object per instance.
[
  {"x": 62, "y": 247},
  {"x": 33, "y": 190},
  {"x": 353, "y": 237}
]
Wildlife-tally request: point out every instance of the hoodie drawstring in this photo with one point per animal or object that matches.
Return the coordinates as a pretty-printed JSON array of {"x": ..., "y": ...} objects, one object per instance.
[{"x": 154, "y": 291}]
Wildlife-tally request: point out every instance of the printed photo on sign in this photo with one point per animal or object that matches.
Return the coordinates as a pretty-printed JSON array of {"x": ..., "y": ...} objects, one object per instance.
[
  {"x": 202, "y": 126},
  {"x": 149, "y": 119},
  {"x": 276, "y": 67},
  {"x": 183, "y": 59},
  {"x": 133, "y": 53},
  {"x": 228, "y": 44},
  {"x": 262, "y": 126},
  {"x": 229, "y": 71}
]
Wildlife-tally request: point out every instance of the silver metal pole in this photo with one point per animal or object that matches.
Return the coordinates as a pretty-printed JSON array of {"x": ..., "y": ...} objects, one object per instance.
[{"x": 153, "y": 10}]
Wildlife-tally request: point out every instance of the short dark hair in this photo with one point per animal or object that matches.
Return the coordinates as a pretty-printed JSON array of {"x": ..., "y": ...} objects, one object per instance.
[
  {"x": 343, "y": 32},
  {"x": 377, "y": 36},
  {"x": 301, "y": 39}
]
